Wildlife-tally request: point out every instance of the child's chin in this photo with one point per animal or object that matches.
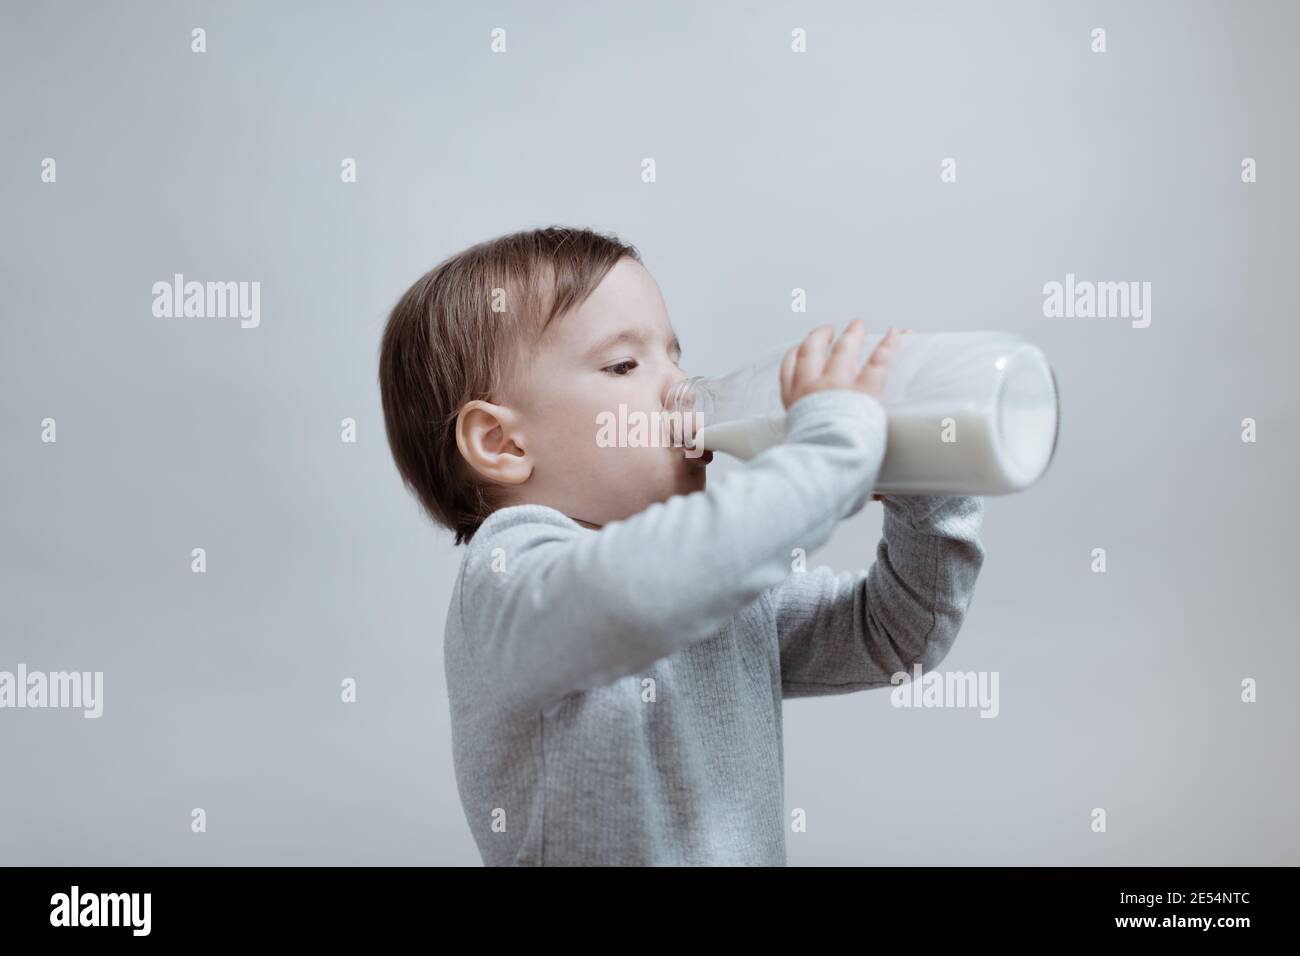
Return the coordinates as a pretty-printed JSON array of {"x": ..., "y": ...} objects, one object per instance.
[{"x": 692, "y": 481}]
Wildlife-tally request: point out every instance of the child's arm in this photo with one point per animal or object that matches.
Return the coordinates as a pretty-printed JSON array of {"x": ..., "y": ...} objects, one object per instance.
[
  {"x": 845, "y": 632},
  {"x": 569, "y": 608}
]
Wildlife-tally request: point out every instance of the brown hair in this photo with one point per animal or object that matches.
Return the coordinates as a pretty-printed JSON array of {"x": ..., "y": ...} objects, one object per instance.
[{"x": 444, "y": 346}]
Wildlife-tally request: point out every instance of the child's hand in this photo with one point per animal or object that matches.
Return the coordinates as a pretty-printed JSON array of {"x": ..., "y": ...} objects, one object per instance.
[
  {"x": 807, "y": 367},
  {"x": 816, "y": 366}
]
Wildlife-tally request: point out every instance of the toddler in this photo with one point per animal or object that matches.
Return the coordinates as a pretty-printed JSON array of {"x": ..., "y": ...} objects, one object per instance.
[{"x": 622, "y": 632}]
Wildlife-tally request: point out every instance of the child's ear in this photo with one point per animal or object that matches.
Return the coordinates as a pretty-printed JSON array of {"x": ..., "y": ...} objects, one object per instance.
[{"x": 488, "y": 438}]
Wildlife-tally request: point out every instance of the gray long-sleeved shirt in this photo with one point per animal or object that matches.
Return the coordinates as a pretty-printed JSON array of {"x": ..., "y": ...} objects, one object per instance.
[{"x": 616, "y": 693}]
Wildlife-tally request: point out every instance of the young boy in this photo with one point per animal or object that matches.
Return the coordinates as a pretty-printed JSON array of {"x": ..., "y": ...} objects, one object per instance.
[{"x": 620, "y": 636}]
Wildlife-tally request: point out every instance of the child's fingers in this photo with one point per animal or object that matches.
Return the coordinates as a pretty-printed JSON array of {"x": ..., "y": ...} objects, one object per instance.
[
  {"x": 876, "y": 370},
  {"x": 811, "y": 358},
  {"x": 843, "y": 362}
]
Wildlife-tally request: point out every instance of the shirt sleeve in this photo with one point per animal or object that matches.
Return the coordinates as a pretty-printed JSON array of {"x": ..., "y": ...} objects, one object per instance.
[
  {"x": 851, "y": 631},
  {"x": 550, "y": 607}
]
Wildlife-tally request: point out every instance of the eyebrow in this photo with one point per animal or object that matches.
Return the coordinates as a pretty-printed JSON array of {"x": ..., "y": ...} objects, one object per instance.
[{"x": 633, "y": 337}]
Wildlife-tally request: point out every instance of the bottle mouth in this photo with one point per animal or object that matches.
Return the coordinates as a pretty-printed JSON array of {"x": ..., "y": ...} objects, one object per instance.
[
  {"x": 685, "y": 395},
  {"x": 689, "y": 406}
]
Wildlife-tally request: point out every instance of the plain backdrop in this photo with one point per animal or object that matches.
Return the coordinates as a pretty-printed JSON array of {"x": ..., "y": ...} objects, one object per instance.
[{"x": 775, "y": 171}]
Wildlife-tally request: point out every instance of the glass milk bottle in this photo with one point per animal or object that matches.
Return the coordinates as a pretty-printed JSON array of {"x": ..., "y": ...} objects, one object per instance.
[{"x": 969, "y": 413}]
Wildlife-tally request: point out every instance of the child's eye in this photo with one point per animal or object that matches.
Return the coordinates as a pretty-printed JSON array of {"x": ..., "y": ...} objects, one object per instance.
[{"x": 621, "y": 368}]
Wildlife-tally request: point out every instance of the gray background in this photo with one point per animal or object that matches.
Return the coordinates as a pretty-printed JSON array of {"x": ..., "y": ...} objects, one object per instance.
[{"x": 776, "y": 170}]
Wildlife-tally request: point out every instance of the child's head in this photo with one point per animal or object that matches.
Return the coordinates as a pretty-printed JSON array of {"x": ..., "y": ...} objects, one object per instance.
[{"x": 497, "y": 364}]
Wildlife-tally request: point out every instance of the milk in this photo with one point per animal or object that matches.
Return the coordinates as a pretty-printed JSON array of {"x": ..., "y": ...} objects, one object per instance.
[
  {"x": 745, "y": 437},
  {"x": 918, "y": 458}
]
